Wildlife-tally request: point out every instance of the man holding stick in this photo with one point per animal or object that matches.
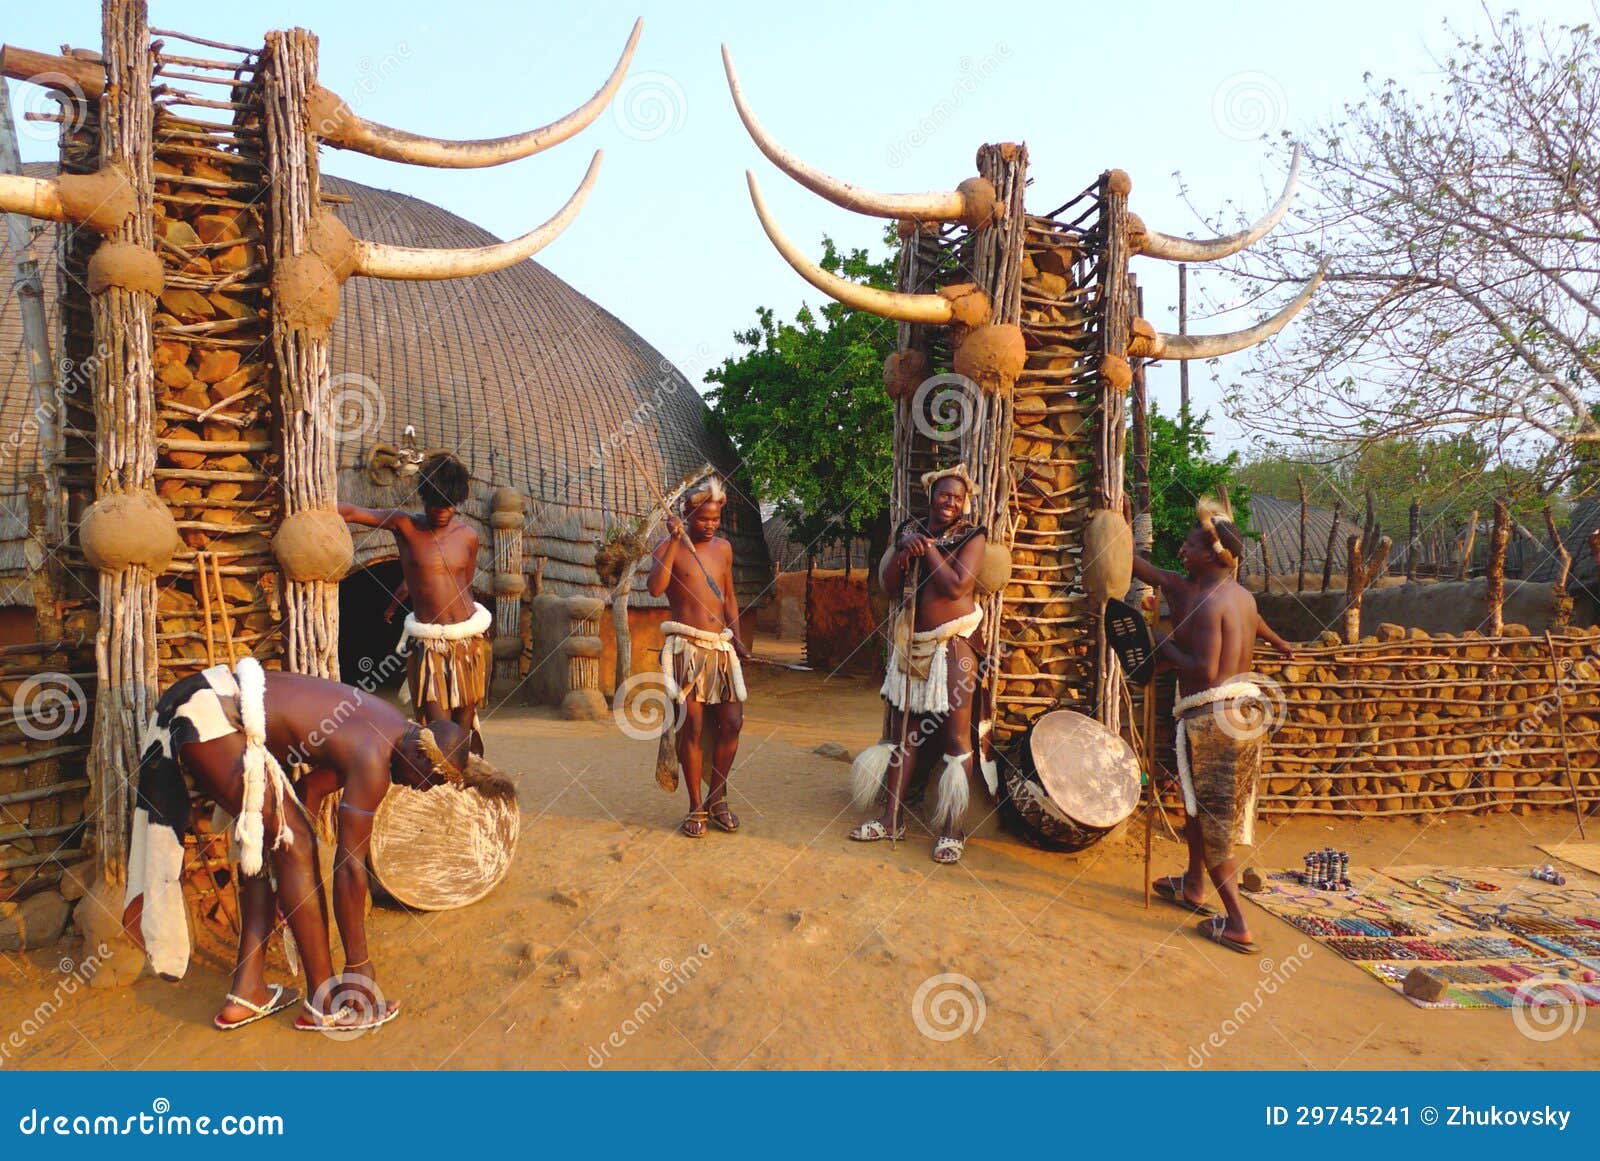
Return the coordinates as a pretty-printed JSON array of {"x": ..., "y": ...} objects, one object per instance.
[{"x": 701, "y": 655}]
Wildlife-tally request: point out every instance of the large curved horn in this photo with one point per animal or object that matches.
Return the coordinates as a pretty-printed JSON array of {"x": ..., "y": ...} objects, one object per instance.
[
  {"x": 34, "y": 197},
  {"x": 1165, "y": 346},
  {"x": 1159, "y": 245},
  {"x": 972, "y": 203},
  {"x": 930, "y": 309},
  {"x": 334, "y": 122},
  {"x": 377, "y": 260}
]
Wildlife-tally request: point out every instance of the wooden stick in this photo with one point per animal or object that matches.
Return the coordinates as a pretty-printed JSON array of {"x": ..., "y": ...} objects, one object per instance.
[
  {"x": 1495, "y": 591},
  {"x": 1412, "y": 532},
  {"x": 1150, "y": 766},
  {"x": 1468, "y": 539},
  {"x": 222, "y": 607},
  {"x": 1561, "y": 722},
  {"x": 1300, "y": 573},
  {"x": 205, "y": 611},
  {"x": 1355, "y": 578},
  {"x": 1327, "y": 555},
  {"x": 683, "y": 532}
]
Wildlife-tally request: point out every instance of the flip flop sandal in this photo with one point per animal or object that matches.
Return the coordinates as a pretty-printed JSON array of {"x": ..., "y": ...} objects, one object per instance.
[
  {"x": 723, "y": 818},
  {"x": 1170, "y": 889},
  {"x": 279, "y": 1001},
  {"x": 694, "y": 824},
  {"x": 339, "y": 1022},
  {"x": 1212, "y": 929},
  {"x": 874, "y": 831},
  {"x": 948, "y": 851}
]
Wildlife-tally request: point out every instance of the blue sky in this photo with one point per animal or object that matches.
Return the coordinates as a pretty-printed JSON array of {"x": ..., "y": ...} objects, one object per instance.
[{"x": 863, "y": 91}]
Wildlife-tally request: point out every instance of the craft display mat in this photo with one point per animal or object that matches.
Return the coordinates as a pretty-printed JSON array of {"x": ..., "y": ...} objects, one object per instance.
[
  {"x": 1585, "y": 855},
  {"x": 1529, "y": 942}
]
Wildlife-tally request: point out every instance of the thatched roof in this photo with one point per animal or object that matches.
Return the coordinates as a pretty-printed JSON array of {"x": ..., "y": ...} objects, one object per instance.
[
  {"x": 1584, "y": 519},
  {"x": 1279, "y": 521},
  {"x": 516, "y": 372}
]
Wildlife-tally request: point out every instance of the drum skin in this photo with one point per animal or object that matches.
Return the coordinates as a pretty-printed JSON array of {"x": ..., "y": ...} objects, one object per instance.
[
  {"x": 442, "y": 848},
  {"x": 1069, "y": 782}
]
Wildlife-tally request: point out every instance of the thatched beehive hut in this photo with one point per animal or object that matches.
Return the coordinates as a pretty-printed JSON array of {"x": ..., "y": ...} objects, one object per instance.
[{"x": 515, "y": 371}]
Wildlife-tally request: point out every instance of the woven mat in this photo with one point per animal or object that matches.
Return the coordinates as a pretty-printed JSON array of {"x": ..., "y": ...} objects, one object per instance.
[
  {"x": 1585, "y": 855},
  {"x": 1523, "y": 941}
]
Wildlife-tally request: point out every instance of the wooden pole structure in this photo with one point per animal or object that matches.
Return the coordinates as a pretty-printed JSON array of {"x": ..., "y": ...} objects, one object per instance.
[
  {"x": 203, "y": 587},
  {"x": 1300, "y": 571},
  {"x": 1353, "y": 579},
  {"x": 123, "y": 385},
  {"x": 1143, "y": 526},
  {"x": 1117, "y": 291},
  {"x": 1563, "y": 599},
  {"x": 1495, "y": 591},
  {"x": 1557, "y": 667},
  {"x": 300, "y": 347},
  {"x": 1469, "y": 539},
  {"x": 1327, "y": 555},
  {"x": 1412, "y": 538},
  {"x": 222, "y": 607}
]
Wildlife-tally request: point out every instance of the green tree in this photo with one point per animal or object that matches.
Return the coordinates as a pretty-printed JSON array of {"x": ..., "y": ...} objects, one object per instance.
[
  {"x": 804, "y": 406},
  {"x": 1182, "y": 470}
]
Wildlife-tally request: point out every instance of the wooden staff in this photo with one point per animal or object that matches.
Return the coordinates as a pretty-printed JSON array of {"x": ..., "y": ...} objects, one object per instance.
[
  {"x": 205, "y": 607},
  {"x": 222, "y": 607},
  {"x": 1561, "y": 723},
  {"x": 908, "y": 608},
  {"x": 1150, "y": 768},
  {"x": 660, "y": 499}
]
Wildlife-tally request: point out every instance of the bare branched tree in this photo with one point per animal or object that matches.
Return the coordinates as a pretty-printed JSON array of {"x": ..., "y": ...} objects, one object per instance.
[{"x": 1463, "y": 229}]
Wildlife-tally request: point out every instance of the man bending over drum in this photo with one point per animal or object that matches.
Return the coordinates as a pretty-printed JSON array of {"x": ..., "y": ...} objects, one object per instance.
[
  {"x": 700, "y": 655},
  {"x": 236, "y": 732},
  {"x": 446, "y": 631},
  {"x": 933, "y": 666},
  {"x": 1221, "y": 714}
]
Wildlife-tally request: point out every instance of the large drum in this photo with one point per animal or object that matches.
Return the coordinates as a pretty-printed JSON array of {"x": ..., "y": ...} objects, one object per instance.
[
  {"x": 442, "y": 848},
  {"x": 1069, "y": 782}
]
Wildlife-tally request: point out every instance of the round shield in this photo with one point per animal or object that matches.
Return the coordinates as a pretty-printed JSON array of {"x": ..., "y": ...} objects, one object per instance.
[
  {"x": 442, "y": 848},
  {"x": 1089, "y": 773}
]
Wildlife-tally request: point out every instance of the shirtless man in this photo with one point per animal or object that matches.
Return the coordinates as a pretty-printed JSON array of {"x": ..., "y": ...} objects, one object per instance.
[
  {"x": 449, "y": 663},
  {"x": 700, "y": 658},
  {"x": 1221, "y": 715},
  {"x": 933, "y": 669},
  {"x": 204, "y": 725}
]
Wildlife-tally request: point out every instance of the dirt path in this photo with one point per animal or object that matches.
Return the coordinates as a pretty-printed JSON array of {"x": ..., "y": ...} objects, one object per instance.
[{"x": 616, "y": 943}]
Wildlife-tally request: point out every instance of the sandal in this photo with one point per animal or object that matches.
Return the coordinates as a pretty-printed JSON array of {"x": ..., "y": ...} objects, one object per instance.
[
  {"x": 344, "y": 1020},
  {"x": 724, "y": 818},
  {"x": 1170, "y": 888},
  {"x": 277, "y": 1003},
  {"x": 1213, "y": 929},
  {"x": 874, "y": 831},
  {"x": 694, "y": 824},
  {"x": 948, "y": 850}
]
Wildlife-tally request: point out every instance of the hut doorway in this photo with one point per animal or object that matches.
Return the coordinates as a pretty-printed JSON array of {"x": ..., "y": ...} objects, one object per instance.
[{"x": 366, "y": 640}]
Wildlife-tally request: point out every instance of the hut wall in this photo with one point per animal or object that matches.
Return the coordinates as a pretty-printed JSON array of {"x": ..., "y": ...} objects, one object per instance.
[
  {"x": 840, "y": 629},
  {"x": 1442, "y": 607}
]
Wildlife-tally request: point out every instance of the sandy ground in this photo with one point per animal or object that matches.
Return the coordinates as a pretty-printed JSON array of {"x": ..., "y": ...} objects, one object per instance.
[{"x": 616, "y": 943}]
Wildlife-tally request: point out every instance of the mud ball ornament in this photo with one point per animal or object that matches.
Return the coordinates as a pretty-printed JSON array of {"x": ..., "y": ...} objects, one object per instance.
[
  {"x": 992, "y": 357},
  {"x": 314, "y": 545},
  {"x": 1107, "y": 556},
  {"x": 903, "y": 372},
  {"x": 127, "y": 529}
]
